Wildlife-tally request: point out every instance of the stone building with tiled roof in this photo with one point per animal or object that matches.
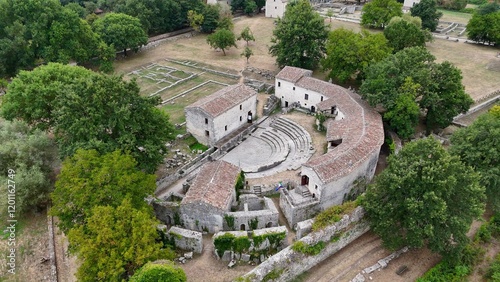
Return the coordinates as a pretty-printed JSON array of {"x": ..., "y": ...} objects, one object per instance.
[
  {"x": 215, "y": 116},
  {"x": 354, "y": 137},
  {"x": 210, "y": 196}
]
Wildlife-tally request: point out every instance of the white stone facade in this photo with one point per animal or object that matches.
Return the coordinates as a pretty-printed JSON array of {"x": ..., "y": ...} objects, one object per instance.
[
  {"x": 275, "y": 8},
  {"x": 216, "y": 116},
  {"x": 410, "y": 3}
]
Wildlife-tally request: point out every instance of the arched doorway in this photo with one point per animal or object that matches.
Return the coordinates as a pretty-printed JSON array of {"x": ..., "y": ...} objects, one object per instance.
[
  {"x": 269, "y": 225},
  {"x": 249, "y": 117},
  {"x": 313, "y": 109},
  {"x": 168, "y": 220},
  {"x": 304, "y": 180},
  {"x": 242, "y": 227}
]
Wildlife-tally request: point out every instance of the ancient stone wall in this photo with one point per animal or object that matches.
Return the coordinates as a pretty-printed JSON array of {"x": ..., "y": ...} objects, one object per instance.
[
  {"x": 292, "y": 263},
  {"x": 297, "y": 212},
  {"x": 187, "y": 240},
  {"x": 266, "y": 217}
]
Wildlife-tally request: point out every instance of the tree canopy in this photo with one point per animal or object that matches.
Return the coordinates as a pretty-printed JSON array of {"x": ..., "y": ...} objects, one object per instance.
[
  {"x": 349, "y": 53},
  {"x": 164, "y": 271},
  {"x": 484, "y": 28},
  {"x": 441, "y": 93},
  {"x": 33, "y": 156},
  {"x": 121, "y": 31},
  {"x": 222, "y": 39},
  {"x": 115, "y": 242},
  {"x": 402, "y": 33},
  {"x": 88, "y": 110},
  {"x": 247, "y": 35},
  {"x": 425, "y": 197},
  {"x": 299, "y": 38},
  {"x": 88, "y": 179},
  {"x": 378, "y": 13},
  {"x": 427, "y": 11},
  {"x": 477, "y": 146}
]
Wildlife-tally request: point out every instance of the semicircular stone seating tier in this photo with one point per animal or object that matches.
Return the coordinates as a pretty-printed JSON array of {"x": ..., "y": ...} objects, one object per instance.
[{"x": 278, "y": 144}]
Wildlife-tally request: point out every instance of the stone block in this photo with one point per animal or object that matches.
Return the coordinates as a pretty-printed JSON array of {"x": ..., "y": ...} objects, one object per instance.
[
  {"x": 188, "y": 255},
  {"x": 227, "y": 256},
  {"x": 245, "y": 257}
]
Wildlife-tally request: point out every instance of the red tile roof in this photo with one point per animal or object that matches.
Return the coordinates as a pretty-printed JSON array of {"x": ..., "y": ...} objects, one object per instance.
[
  {"x": 224, "y": 99},
  {"x": 213, "y": 185},
  {"x": 292, "y": 74},
  {"x": 361, "y": 130}
]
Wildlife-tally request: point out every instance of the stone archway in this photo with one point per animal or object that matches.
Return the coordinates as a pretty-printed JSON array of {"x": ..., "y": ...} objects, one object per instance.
[
  {"x": 269, "y": 225},
  {"x": 242, "y": 227}
]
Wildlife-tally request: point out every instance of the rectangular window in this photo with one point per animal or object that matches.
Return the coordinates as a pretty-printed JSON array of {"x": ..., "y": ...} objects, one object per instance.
[
  {"x": 294, "y": 88},
  {"x": 279, "y": 84},
  {"x": 225, "y": 128},
  {"x": 241, "y": 108},
  {"x": 206, "y": 120},
  {"x": 306, "y": 97},
  {"x": 241, "y": 118},
  {"x": 207, "y": 133},
  {"x": 321, "y": 98}
]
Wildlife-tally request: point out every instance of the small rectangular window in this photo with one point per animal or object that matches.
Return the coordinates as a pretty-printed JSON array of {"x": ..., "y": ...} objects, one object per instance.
[
  {"x": 207, "y": 133},
  {"x": 279, "y": 84},
  {"x": 241, "y": 108},
  {"x": 241, "y": 118},
  {"x": 306, "y": 97},
  {"x": 321, "y": 98},
  {"x": 206, "y": 120},
  {"x": 225, "y": 128},
  {"x": 294, "y": 88}
]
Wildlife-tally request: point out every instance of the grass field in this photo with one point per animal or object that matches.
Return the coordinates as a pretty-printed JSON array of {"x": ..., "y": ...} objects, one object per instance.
[{"x": 455, "y": 16}]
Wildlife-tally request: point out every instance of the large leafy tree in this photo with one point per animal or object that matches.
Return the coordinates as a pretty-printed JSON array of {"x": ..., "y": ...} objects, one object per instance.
[
  {"x": 378, "y": 13},
  {"x": 477, "y": 146},
  {"x": 299, "y": 38},
  {"x": 88, "y": 179},
  {"x": 88, "y": 110},
  {"x": 115, "y": 242},
  {"x": 349, "y": 53},
  {"x": 33, "y": 156},
  {"x": 222, "y": 39},
  {"x": 164, "y": 271},
  {"x": 402, "y": 33},
  {"x": 484, "y": 28},
  {"x": 441, "y": 93},
  {"x": 425, "y": 197},
  {"x": 427, "y": 11},
  {"x": 211, "y": 18},
  {"x": 121, "y": 31}
]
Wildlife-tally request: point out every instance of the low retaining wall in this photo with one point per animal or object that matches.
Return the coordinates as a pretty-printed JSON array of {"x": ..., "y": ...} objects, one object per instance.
[
  {"x": 187, "y": 240},
  {"x": 290, "y": 263}
]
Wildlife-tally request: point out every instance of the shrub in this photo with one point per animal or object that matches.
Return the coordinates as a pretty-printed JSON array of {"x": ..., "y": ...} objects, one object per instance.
[
  {"x": 332, "y": 215},
  {"x": 241, "y": 244},
  {"x": 310, "y": 250},
  {"x": 224, "y": 243}
]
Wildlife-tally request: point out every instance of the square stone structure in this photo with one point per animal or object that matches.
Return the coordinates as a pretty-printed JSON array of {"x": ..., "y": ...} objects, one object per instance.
[
  {"x": 212, "y": 118},
  {"x": 354, "y": 136},
  {"x": 210, "y": 197},
  {"x": 275, "y": 8}
]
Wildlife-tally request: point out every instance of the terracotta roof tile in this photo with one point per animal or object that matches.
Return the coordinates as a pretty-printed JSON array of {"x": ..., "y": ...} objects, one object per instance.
[
  {"x": 224, "y": 99},
  {"x": 361, "y": 130},
  {"x": 292, "y": 74},
  {"x": 213, "y": 185}
]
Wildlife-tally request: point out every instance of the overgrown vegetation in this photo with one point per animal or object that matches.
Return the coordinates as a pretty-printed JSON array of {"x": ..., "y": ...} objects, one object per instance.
[
  {"x": 241, "y": 244},
  {"x": 333, "y": 215},
  {"x": 253, "y": 223},
  {"x": 240, "y": 184},
  {"x": 224, "y": 243},
  {"x": 311, "y": 250},
  {"x": 229, "y": 221},
  {"x": 274, "y": 274},
  {"x": 274, "y": 239}
]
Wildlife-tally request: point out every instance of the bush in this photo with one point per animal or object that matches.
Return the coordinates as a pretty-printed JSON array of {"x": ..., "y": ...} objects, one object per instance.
[
  {"x": 477, "y": 2},
  {"x": 310, "y": 250},
  {"x": 224, "y": 243},
  {"x": 165, "y": 271},
  {"x": 468, "y": 10},
  {"x": 332, "y": 215}
]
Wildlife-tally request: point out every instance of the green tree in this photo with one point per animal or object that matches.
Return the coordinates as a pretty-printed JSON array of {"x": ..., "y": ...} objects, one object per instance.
[
  {"x": 237, "y": 5},
  {"x": 427, "y": 11},
  {"x": 441, "y": 94},
  {"x": 164, "y": 271},
  {"x": 210, "y": 18},
  {"x": 88, "y": 179},
  {"x": 77, "y": 8},
  {"x": 222, "y": 39},
  {"x": 195, "y": 20},
  {"x": 425, "y": 197},
  {"x": 329, "y": 14},
  {"x": 247, "y": 53},
  {"x": 15, "y": 51},
  {"x": 378, "y": 13},
  {"x": 115, "y": 242},
  {"x": 404, "y": 113},
  {"x": 121, "y": 31},
  {"x": 299, "y": 38},
  {"x": 250, "y": 7},
  {"x": 349, "y": 53},
  {"x": 453, "y": 4},
  {"x": 477, "y": 146},
  {"x": 402, "y": 33},
  {"x": 247, "y": 35},
  {"x": 88, "y": 110},
  {"x": 484, "y": 28},
  {"x": 33, "y": 157},
  {"x": 260, "y": 5}
]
